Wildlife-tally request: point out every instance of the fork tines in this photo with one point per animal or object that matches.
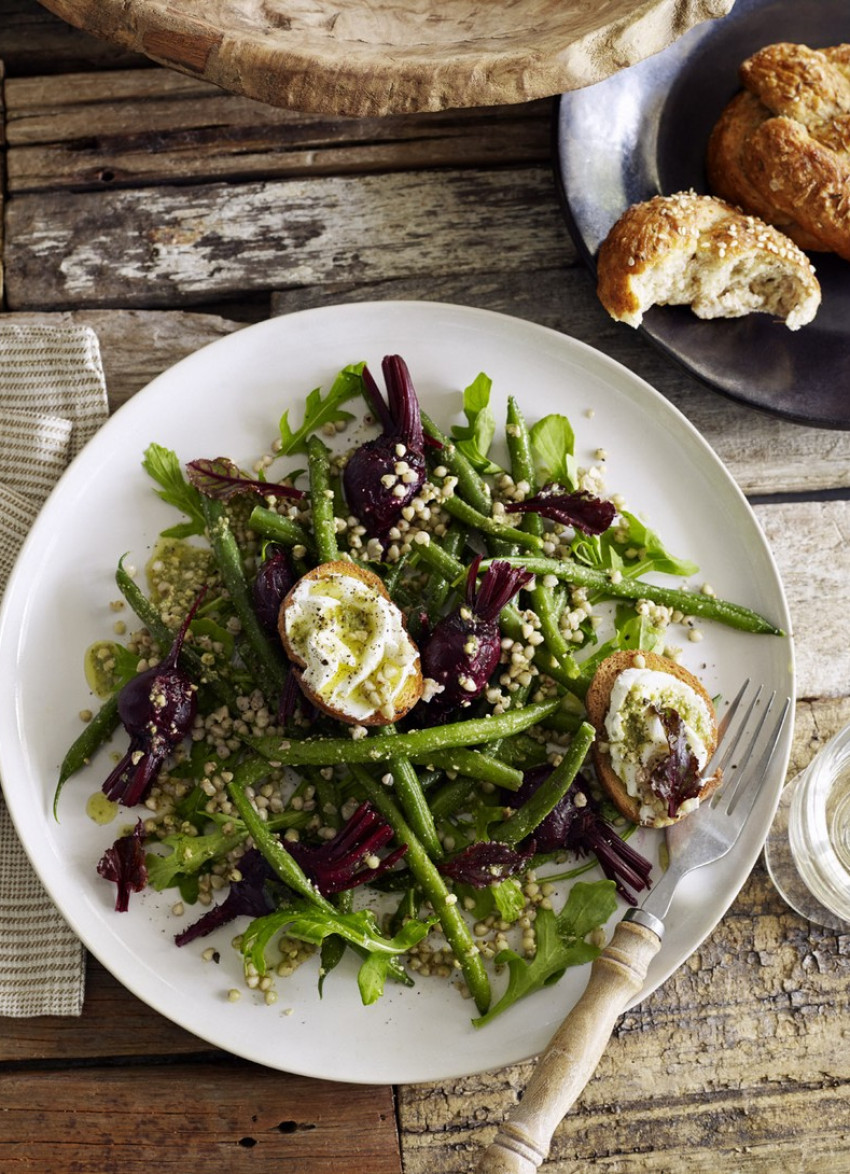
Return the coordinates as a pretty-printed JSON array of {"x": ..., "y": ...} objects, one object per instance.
[{"x": 747, "y": 730}]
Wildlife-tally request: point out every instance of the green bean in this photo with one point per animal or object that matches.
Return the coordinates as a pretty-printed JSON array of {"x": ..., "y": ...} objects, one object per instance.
[
  {"x": 522, "y": 469},
  {"x": 688, "y": 602},
  {"x": 322, "y": 501},
  {"x": 472, "y": 485},
  {"x": 229, "y": 562},
  {"x": 393, "y": 575},
  {"x": 412, "y": 799},
  {"x": 475, "y": 765},
  {"x": 344, "y": 751},
  {"x": 523, "y": 822},
  {"x": 440, "y": 585},
  {"x": 266, "y": 842},
  {"x": 563, "y": 672},
  {"x": 269, "y": 524},
  {"x": 485, "y": 524},
  {"x": 451, "y": 797},
  {"x": 96, "y": 733},
  {"x": 429, "y": 880},
  {"x": 440, "y": 560}
]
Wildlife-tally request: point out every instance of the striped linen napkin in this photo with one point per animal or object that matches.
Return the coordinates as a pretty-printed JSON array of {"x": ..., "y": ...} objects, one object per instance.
[{"x": 52, "y": 400}]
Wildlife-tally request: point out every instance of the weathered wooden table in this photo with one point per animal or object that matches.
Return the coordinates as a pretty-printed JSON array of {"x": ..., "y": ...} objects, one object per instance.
[{"x": 166, "y": 213}]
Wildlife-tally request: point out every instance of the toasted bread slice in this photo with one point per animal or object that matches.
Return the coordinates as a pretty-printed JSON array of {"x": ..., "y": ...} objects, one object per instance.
[
  {"x": 645, "y": 808},
  {"x": 383, "y": 687}
]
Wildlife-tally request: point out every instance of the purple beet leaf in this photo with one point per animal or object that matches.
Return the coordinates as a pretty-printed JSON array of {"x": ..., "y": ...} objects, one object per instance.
[
  {"x": 220, "y": 478},
  {"x": 676, "y": 778},
  {"x": 487, "y": 863},
  {"x": 124, "y": 863},
  {"x": 248, "y": 897},
  {"x": 581, "y": 510}
]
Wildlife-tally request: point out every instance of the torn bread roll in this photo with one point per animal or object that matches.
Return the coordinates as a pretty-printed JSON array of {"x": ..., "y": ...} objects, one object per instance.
[
  {"x": 698, "y": 251},
  {"x": 656, "y": 731},
  {"x": 781, "y": 148}
]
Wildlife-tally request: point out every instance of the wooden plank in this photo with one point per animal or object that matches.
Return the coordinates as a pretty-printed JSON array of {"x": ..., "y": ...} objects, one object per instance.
[
  {"x": 156, "y": 126},
  {"x": 204, "y": 1118},
  {"x": 138, "y": 345},
  {"x": 811, "y": 544},
  {"x": 737, "y": 1064},
  {"x": 177, "y": 246},
  {"x": 34, "y": 41},
  {"x": 113, "y": 1023}
]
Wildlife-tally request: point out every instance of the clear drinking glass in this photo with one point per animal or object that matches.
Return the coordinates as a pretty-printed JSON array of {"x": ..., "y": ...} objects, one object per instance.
[{"x": 808, "y": 850}]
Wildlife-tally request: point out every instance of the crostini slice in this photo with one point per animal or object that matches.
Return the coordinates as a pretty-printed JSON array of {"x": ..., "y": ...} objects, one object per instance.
[
  {"x": 656, "y": 733},
  {"x": 349, "y": 645}
]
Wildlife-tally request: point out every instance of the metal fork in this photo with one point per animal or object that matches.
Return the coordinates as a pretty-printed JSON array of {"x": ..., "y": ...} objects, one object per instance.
[{"x": 746, "y": 746}]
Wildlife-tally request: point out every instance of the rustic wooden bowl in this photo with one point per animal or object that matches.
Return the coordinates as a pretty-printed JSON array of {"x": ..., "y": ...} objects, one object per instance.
[{"x": 374, "y": 57}]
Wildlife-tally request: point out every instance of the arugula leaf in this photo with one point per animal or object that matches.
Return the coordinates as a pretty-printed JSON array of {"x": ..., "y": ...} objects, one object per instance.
[
  {"x": 633, "y": 633},
  {"x": 309, "y": 923},
  {"x": 509, "y": 899},
  {"x": 319, "y": 411},
  {"x": 553, "y": 444},
  {"x": 560, "y": 943},
  {"x": 189, "y": 853},
  {"x": 163, "y": 466},
  {"x": 474, "y": 438},
  {"x": 654, "y": 554},
  {"x": 631, "y": 548}
]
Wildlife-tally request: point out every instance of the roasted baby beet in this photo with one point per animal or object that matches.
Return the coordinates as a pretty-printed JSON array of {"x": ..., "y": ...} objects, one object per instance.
[
  {"x": 157, "y": 709},
  {"x": 336, "y": 866},
  {"x": 384, "y": 475},
  {"x": 576, "y": 825},
  {"x": 272, "y": 583},
  {"x": 464, "y": 647}
]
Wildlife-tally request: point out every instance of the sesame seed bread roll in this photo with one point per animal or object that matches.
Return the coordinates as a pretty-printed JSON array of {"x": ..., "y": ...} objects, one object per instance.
[
  {"x": 698, "y": 251},
  {"x": 781, "y": 148},
  {"x": 643, "y": 807}
]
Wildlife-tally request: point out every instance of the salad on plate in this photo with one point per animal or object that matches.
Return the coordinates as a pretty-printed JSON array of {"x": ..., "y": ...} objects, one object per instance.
[{"x": 351, "y": 696}]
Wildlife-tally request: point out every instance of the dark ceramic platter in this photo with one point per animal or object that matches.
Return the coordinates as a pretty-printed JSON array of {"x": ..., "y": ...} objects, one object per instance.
[{"x": 644, "y": 131}]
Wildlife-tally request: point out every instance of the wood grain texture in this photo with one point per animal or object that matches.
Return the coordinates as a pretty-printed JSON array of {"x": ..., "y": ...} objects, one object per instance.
[
  {"x": 155, "y": 126},
  {"x": 182, "y": 245},
  {"x": 34, "y": 41},
  {"x": 229, "y": 1117},
  {"x": 390, "y": 56}
]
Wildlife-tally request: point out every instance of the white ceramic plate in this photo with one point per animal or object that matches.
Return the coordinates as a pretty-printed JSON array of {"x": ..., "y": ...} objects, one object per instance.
[{"x": 226, "y": 399}]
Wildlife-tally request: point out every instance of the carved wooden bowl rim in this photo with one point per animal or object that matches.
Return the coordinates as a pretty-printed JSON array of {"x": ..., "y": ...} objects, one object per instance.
[{"x": 377, "y": 57}]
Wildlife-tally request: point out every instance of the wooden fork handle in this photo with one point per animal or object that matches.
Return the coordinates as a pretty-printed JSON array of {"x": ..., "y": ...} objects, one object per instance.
[{"x": 570, "y": 1060}]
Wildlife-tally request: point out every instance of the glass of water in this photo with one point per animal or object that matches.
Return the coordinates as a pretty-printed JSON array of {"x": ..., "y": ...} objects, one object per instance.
[{"x": 808, "y": 850}]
